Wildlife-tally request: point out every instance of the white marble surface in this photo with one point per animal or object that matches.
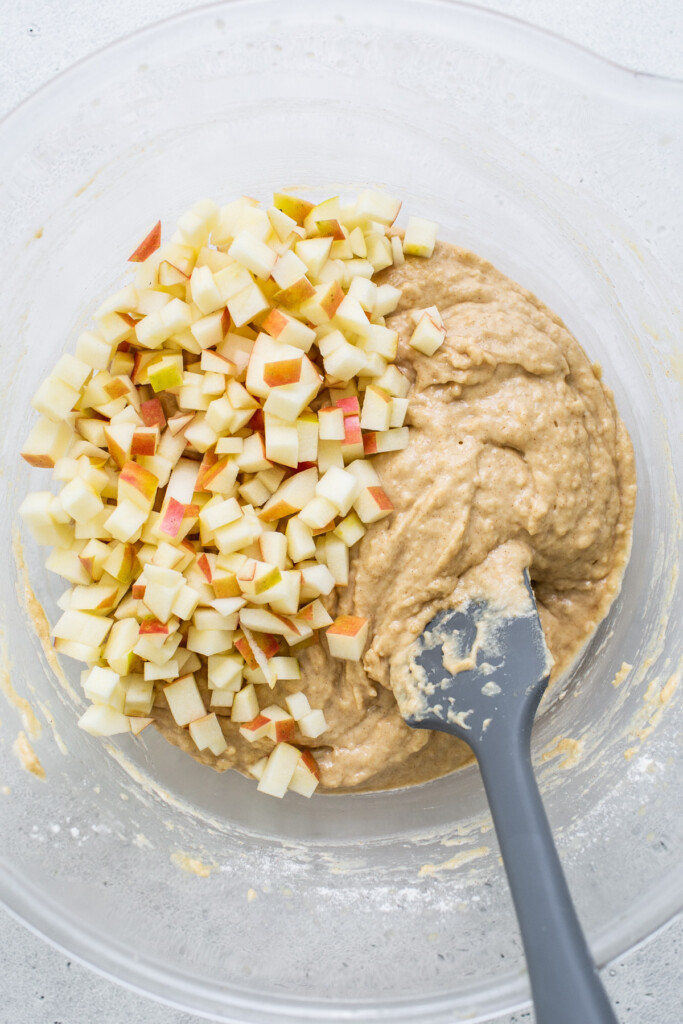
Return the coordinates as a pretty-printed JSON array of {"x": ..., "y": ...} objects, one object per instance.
[{"x": 39, "y": 38}]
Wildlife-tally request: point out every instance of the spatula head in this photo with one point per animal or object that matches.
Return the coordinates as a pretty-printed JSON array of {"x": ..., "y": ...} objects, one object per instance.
[{"x": 477, "y": 670}]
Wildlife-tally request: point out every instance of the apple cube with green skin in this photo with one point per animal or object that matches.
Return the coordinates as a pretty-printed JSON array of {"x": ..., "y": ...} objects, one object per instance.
[
  {"x": 208, "y": 735},
  {"x": 100, "y": 720},
  {"x": 420, "y": 237},
  {"x": 103, "y": 686},
  {"x": 347, "y": 637},
  {"x": 165, "y": 372},
  {"x": 279, "y": 770},
  {"x": 185, "y": 700},
  {"x": 350, "y": 529}
]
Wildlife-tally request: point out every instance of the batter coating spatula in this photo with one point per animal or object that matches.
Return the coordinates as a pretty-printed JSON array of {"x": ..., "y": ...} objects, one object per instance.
[{"x": 479, "y": 673}]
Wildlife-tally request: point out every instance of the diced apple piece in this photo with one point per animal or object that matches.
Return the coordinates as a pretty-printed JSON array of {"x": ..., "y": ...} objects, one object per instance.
[
  {"x": 225, "y": 671},
  {"x": 139, "y": 695},
  {"x": 208, "y": 735},
  {"x": 298, "y": 705},
  {"x": 338, "y": 487},
  {"x": 324, "y": 303},
  {"x": 347, "y": 637},
  {"x": 245, "y": 704},
  {"x": 399, "y": 408},
  {"x": 373, "y": 504},
  {"x": 428, "y": 336},
  {"x": 331, "y": 424},
  {"x": 394, "y": 382},
  {"x": 257, "y": 729},
  {"x": 317, "y": 579},
  {"x": 137, "y": 486},
  {"x": 279, "y": 770},
  {"x": 306, "y": 776},
  {"x": 55, "y": 399},
  {"x": 92, "y": 348},
  {"x": 282, "y": 441},
  {"x": 313, "y": 724},
  {"x": 100, "y": 720},
  {"x": 185, "y": 700},
  {"x": 47, "y": 443},
  {"x": 285, "y": 328},
  {"x": 80, "y": 501},
  {"x": 337, "y": 558},
  {"x": 420, "y": 237},
  {"x": 315, "y": 613},
  {"x": 318, "y": 512},
  {"x": 253, "y": 254},
  {"x": 83, "y": 628},
  {"x": 148, "y": 245},
  {"x": 300, "y": 543},
  {"x": 293, "y": 206},
  {"x": 377, "y": 405},
  {"x": 350, "y": 530},
  {"x": 377, "y": 206},
  {"x": 247, "y": 304},
  {"x": 102, "y": 686},
  {"x": 393, "y": 440}
]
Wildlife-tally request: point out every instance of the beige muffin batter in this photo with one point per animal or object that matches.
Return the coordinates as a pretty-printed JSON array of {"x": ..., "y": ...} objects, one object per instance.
[{"x": 513, "y": 438}]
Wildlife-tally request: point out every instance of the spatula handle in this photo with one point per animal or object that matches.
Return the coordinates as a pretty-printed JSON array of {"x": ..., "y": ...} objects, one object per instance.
[{"x": 565, "y": 983}]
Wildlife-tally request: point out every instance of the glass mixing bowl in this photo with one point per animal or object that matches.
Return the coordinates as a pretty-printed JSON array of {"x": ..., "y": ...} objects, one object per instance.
[{"x": 562, "y": 169}]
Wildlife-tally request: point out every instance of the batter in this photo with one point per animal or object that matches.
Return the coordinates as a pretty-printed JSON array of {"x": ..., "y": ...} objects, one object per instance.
[{"x": 514, "y": 438}]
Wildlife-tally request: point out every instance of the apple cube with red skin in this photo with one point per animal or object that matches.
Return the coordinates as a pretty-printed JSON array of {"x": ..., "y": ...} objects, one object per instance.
[
  {"x": 185, "y": 700},
  {"x": 279, "y": 770},
  {"x": 306, "y": 776},
  {"x": 373, "y": 504},
  {"x": 393, "y": 440},
  {"x": 137, "y": 485},
  {"x": 347, "y": 637},
  {"x": 148, "y": 245},
  {"x": 285, "y": 328},
  {"x": 257, "y": 729},
  {"x": 47, "y": 443}
]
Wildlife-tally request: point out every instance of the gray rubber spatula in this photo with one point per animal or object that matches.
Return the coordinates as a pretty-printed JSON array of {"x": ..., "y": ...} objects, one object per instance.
[{"x": 491, "y": 705}]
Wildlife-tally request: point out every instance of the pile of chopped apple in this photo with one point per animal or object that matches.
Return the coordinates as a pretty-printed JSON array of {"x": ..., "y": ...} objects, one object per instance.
[{"x": 213, "y": 438}]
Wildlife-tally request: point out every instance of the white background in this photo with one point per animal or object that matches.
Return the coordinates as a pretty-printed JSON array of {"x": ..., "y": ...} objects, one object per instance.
[{"x": 38, "y": 39}]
